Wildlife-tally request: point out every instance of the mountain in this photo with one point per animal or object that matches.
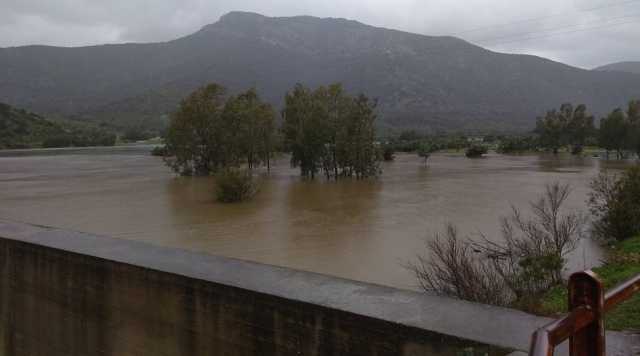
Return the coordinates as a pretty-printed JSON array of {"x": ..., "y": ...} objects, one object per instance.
[
  {"x": 23, "y": 129},
  {"x": 627, "y": 67},
  {"x": 422, "y": 82}
]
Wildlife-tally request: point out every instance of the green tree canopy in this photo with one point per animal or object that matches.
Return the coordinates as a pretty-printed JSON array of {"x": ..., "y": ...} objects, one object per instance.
[
  {"x": 580, "y": 126},
  {"x": 250, "y": 125},
  {"x": 566, "y": 126},
  {"x": 425, "y": 149},
  {"x": 633, "y": 115},
  {"x": 326, "y": 129},
  {"x": 614, "y": 132},
  {"x": 209, "y": 132}
]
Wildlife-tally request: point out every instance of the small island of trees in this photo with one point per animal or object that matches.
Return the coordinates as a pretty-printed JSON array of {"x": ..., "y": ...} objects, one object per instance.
[
  {"x": 328, "y": 130},
  {"x": 325, "y": 130}
]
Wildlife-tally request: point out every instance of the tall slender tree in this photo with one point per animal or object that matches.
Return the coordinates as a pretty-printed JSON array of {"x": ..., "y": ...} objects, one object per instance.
[
  {"x": 193, "y": 139},
  {"x": 552, "y": 130},
  {"x": 249, "y": 124},
  {"x": 304, "y": 134},
  {"x": 633, "y": 115},
  {"x": 614, "y": 132},
  {"x": 580, "y": 127}
]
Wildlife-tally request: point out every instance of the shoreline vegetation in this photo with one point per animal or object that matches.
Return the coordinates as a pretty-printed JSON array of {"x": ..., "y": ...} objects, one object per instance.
[
  {"x": 524, "y": 268},
  {"x": 622, "y": 262}
]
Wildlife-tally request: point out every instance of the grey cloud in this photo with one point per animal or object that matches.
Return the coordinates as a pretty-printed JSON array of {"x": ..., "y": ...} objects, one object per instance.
[{"x": 84, "y": 22}]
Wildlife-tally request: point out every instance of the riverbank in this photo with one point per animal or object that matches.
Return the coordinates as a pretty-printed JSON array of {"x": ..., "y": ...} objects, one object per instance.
[{"x": 623, "y": 262}]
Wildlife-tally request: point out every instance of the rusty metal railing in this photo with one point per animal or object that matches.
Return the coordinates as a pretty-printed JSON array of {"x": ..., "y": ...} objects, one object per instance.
[{"x": 584, "y": 325}]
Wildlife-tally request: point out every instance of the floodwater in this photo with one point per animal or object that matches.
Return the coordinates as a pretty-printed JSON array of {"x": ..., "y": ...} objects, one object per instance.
[{"x": 363, "y": 230}]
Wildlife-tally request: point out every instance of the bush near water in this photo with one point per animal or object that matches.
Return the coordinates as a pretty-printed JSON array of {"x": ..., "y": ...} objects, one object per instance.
[{"x": 235, "y": 185}]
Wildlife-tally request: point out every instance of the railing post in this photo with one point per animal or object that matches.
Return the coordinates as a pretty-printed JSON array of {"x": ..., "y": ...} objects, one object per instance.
[{"x": 586, "y": 289}]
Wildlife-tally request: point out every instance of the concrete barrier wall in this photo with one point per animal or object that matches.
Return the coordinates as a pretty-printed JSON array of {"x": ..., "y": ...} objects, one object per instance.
[
  {"x": 67, "y": 293},
  {"x": 58, "y": 303}
]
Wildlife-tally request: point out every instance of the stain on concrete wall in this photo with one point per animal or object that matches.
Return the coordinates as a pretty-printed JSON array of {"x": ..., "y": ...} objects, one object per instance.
[{"x": 60, "y": 303}]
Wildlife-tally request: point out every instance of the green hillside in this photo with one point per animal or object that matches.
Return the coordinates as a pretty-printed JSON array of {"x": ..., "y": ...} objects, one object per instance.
[{"x": 22, "y": 129}]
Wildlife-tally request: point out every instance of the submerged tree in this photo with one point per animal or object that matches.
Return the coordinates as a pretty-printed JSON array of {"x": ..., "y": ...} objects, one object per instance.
[
  {"x": 235, "y": 185},
  {"x": 330, "y": 131},
  {"x": 209, "y": 132},
  {"x": 566, "y": 126},
  {"x": 551, "y": 129},
  {"x": 633, "y": 115},
  {"x": 580, "y": 127},
  {"x": 425, "y": 150},
  {"x": 614, "y": 131},
  {"x": 250, "y": 126},
  {"x": 303, "y": 130},
  {"x": 194, "y": 137},
  {"x": 362, "y": 158}
]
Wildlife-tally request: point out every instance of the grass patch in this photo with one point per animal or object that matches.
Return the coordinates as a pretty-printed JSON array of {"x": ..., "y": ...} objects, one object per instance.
[{"x": 623, "y": 263}]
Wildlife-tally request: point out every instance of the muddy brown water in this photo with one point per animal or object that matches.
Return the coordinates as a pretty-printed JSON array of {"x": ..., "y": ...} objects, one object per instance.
[{"x": 363, "y": 230}]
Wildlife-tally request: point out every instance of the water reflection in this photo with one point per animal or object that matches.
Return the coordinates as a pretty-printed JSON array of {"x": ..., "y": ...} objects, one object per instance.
[{"x": 362, "y": 230}]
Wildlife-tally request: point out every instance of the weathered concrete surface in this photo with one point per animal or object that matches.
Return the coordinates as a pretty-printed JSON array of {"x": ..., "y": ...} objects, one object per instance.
[{"x": 69, "y": 293}]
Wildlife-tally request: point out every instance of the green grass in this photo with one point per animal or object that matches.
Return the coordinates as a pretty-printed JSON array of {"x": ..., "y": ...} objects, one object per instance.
[
  {"x": 624, "y": 263},
  {"x": 630, "y": 245}
]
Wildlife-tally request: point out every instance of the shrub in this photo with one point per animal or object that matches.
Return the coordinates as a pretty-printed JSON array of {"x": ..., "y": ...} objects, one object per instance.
[
  {"x": 160, "y": 151},
  {"x": 615, "y": 204},
  {"x": 453, "y": 268},
  {"x": 516, "y": 271},
  {"x": 476, "y": 151},
  {"x": 388, "y": 152},
  {"x": 235, "y": 185}
]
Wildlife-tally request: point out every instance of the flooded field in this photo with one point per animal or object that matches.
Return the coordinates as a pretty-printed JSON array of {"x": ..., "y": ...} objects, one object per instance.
[{"x": 364, "y": 230}]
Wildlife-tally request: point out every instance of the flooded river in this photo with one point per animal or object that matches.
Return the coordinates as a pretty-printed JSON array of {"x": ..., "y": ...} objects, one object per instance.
[{"x": 363, "y": 230}]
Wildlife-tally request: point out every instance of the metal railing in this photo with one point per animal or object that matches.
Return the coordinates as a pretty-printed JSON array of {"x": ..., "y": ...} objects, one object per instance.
[{"x": 584, "y": 325}]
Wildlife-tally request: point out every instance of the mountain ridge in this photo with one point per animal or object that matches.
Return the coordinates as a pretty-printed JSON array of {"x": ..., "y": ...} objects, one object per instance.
[
  {"x": 422, "y": 82},
  {"x": 626, "y": 67}
]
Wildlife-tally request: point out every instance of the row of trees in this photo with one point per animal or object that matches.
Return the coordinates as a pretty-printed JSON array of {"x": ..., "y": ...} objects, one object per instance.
[
  {"x": 327, "y": 130},
  {"x": 620, "y": 130},
  {"x": 574, "y": 127},
  {"x": 324, "y": 129},
  {"x": 568, "y": 126},
  {"x": 211, "y": 131}
]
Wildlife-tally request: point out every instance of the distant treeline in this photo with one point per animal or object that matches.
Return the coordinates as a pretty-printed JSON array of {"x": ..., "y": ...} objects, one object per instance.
[
  {"x": 22, "y": 129},
  {"x": 574, "y": 128},
  {"x": 568, "y": 127}
]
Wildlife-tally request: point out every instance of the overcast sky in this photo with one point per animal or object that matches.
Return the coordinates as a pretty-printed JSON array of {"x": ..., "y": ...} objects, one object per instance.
[{"x": 583, "y": 33}]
